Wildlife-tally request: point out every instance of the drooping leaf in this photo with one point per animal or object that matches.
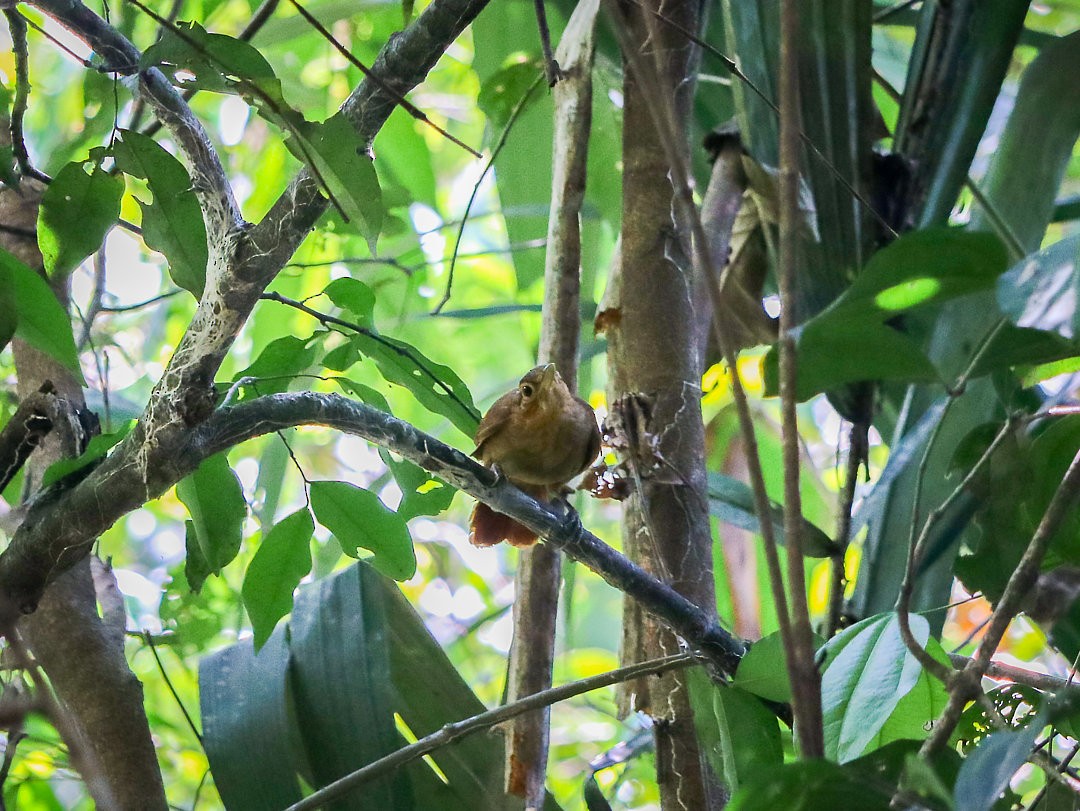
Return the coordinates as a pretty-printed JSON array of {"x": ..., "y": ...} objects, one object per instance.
[
  {"x": 421, "y": 493},
  {"x": 9, "y": 313},
  {"x": 867, "y": 671},
  {"x": 436, "y": 387},
  {"x": 42, "y": 322},
  {"x": 505, "y": 89},
  {"x": 77, "y": 210},
  {"x": 95, "y": 450},
  {"x": 215, "y": 501},
  {"x": 358, "y": 520},
  {"x": 281, "y": 561},
  {"x": 732, "y": 501},
  {"x": 172, "y": 222},
  {"x": 332, "y": 149},
  {"x": 740, "y": 736},
  {"x": 244, "y": 706}
]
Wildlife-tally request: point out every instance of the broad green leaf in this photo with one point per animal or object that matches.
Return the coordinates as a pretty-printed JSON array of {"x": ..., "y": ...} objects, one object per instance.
[
  {"x": 740, "y": 736},
  {"x": 9, "y": 312},
  {"x": 436, "y": 387},
  {"x": 852, "y": 339},
  {"x": 1041, "y": 290},
  {"x": 913, "y": 715},
  {"x": 1036, "y": 146},
  {"x": 732, "y": 501},
  {"x": 867, "y": 671},
  {"x": 281, "y": 561},
  {"x": 339, "y": 678},
  {"x": 217, "y": 507},
  {"x": 196, "y": 567},
  {"x": 42, "y": 321},
  {"x": 342, "y": 358},
  {"x": 421, "y": 493},
  {"x": 355, "y": 296},
  {"x": 358, "y": 520},
  {"x": 95, "y": 450},
  {"x": 986, "y": 772},
  {"x": 195, "y": 58},
  {"x": 763, "y": 670},
  {"x": 77, "y": 210},
  {"x": 338, "y": 155},
  {"x": 812, "y": 785},
  {"x": 172, "y": 222},
  {"x": 245, "y": 710},
  {"x": 279, "y": 363}
]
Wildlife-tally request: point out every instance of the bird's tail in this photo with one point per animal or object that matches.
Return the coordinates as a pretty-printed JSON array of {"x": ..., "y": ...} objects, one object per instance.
[{"x": 487, "y": 527}]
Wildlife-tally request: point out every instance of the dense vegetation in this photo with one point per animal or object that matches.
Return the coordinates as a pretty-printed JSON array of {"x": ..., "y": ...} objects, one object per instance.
[{"x": 262, "y": 268}]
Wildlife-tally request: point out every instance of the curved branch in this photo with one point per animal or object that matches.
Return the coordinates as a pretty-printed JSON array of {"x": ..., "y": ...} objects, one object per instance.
[
  {"x": 63, "y": 522},
  {"x": 220, "y": 210}
]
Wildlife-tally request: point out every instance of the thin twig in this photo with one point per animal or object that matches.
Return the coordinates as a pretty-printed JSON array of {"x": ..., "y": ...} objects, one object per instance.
[
  {"x": 804, "y": 672},
  {"x": 17, "y": 27},
  {"x": 551, "y": 68},
  {"x": 486, "y": 720},
  {"x": 519, "y": 108},
  {"x": 149, "y": 640}
]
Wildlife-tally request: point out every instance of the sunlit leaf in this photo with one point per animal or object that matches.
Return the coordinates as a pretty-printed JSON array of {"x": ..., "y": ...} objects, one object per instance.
[
  {"x": 172, "y": 222},
  {"x": 77, "y": 210},
  {"x": 358, "y": 520},
  {"x": 281, "y": 561}
]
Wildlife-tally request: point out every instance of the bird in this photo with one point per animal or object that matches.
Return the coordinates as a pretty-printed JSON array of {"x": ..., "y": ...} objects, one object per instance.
[{"x": 539, "y": 436}]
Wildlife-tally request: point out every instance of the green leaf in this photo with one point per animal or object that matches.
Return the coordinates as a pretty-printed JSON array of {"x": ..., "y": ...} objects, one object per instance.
[
  {"x": 740, "y": 736},
  {"x": 95, "y": 450},
  {"x": 217, "y": 507},
  {"x": 279, "y": 363},
  {"x": 196, "y": 566},
  {"x": 244, "y": 708},
  {"x": 763, "y": 670},
  {"x": 42, "y": 321},
  {"x": 436, "y": 387},
  {"x": 281, "y": 561},
  {"x": 9, "y": 311},
  {"x": 812, "y": 785},
  {"x": 986, "y": 772},
  {"x": 868, "y": 670},
  {"x": 503, "y": 90},
  {"x": 332, "y": 149},
  {"x": 359, "y": 519},
  {"x": 851, "y": 340},
  {"x": 355, "y": 296},
  {"x": 732, "y": 501},
  {"x": 1041, "y": 291},
  {"x": 339, "y": 675},
  {"x": 77, "y": 210},
  {"x": 421, "y": 493},
  {"x": 339, "y": 157},
  {"x": 172, "y": 222}
]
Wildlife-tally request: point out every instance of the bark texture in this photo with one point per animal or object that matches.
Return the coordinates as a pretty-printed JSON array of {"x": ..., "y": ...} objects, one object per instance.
[{"x": 654, "y": 357}]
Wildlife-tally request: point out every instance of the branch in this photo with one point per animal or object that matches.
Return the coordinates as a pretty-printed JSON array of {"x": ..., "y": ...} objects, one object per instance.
[
  {"x": 219, "y": 207},
  {"x": 486, "y": 720}
]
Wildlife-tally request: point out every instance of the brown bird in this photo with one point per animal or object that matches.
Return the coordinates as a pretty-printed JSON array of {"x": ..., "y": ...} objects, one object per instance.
[{"x": 539, "y": 436}]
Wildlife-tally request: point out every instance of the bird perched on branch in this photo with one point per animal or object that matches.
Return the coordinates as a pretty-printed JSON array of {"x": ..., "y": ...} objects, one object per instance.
[{"x": 539, "y": 436}]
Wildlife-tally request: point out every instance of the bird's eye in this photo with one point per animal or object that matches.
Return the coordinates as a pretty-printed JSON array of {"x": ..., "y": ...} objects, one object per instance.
[{"x": 526, "y": 390}]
